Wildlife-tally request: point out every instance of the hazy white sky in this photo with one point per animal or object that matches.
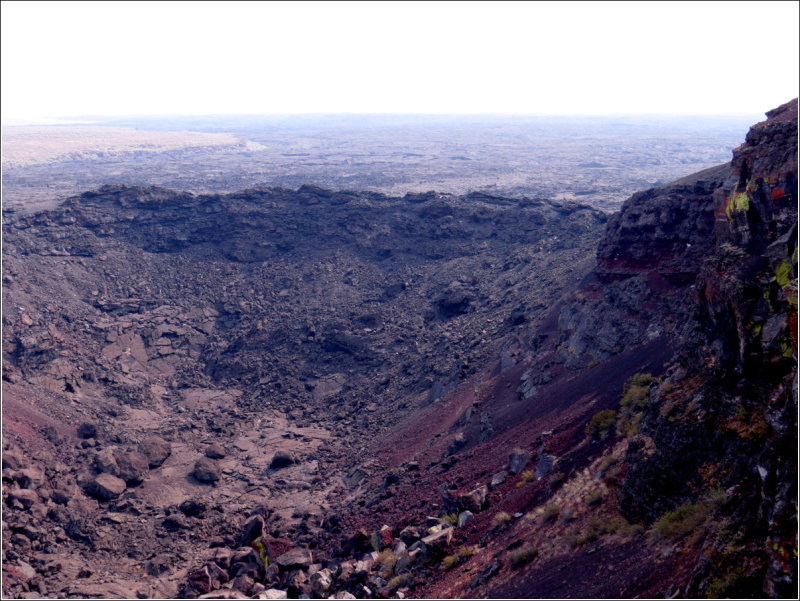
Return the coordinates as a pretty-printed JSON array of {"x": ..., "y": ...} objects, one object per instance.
[{"x": 103, "y": 58}]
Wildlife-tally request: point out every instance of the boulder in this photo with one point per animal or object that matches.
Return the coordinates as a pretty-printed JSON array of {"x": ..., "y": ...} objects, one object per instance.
[
  {"x": 253, "y": 529},
  {"x": 321, "y": 582},
  {"x": 273, "y": 593},
  {"x": 464, "y": 518},
  {"x": 436, "y": 542},
  {"x": 132, "y": 466},
  {"x": 517, "y": 461},
  {"x": 474, "y": 500},
  {"x": 206, "y": 470},
  {"x": 217, "y": 574},
  {"x": 382, "y": 538},
  {"x": 31, "y": 477},
  {"x": 200, "y": 580},
  {"x": 156, "y": 449},
  {"x": 25, "y": 497},
  {"x": 105, "y": 461},
  {"x": 243, "y": 583},
  {"x": 409, "y": 535},
  {"x": 13, "y": 460},
  {"x": 105, "y": 487},
  {"x": 295, "y": 558},
  {"x": 215, "y": 451}
]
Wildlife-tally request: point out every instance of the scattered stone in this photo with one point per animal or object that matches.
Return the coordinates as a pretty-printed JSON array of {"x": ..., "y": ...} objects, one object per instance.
[
  {"x": 106, "y": 487},
  {"x": 436, "y": 542},
  {"x": 206, "y": 470},
  {"x": 464, "y": 518},
  {"x": 200, "y": 580},
  {"x": 382, "y": 538},
  {"x": 273, "y": 593},
  {"x": 485, "y": 574},
  {"x": 215, "y": 451},
  {"x": 224, "y": 594},
  {"x": 156, "y": 449},
  {"x": 497, "y": 480}
]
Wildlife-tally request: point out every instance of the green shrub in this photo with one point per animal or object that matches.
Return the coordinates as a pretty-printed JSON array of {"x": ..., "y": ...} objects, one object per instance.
[
  {"x": 556, "y": 479},
  {"x": 450, "y": 518},
  {"x": 724, "y": 587},
  {"x": 601, "y": 423},
  {"x": 501, "y": 520},
  {"x": 605, "y": 463},
  {"x": 637, "y": 390},
  {"x": 524, "y": 555},
  {"x": 525, "y": 477},
  {"x": 550, "y": 513},
  {"x": 387, "y": 560},
  {"x": 399, "y": 581},
  {"x": 593, "y": 499},
  {"x": 682, "y": 520},
  {"x": 457, "y": 558}
]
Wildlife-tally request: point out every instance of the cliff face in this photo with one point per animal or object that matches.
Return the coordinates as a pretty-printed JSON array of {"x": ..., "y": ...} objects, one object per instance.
[
  {"x": 725, "y": 416},
  {"x": 679, "y": 355}
]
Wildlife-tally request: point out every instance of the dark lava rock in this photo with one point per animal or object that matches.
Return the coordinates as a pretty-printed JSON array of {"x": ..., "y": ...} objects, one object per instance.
[
  {"x": 453, "y": 302},
  {"x": 87, "y": 431},
  {"x": 485, "y": 574},
  {"x": 205, "y": 470},
  {"x": 193, "y": 508},
  {"x": 156, "y": 449},
  {"x": 281, "y": 459},
  {"x": 253, "y": 530},
  {"x": 517, "y": 461}
]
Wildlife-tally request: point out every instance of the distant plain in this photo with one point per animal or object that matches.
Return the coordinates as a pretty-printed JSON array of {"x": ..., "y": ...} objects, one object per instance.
[{"x": 593, "y": 160}]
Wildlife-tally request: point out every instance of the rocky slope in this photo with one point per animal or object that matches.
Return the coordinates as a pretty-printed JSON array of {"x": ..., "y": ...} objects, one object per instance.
[
  {"x": 348, "y": 395},
  {"x": 268, "y": 322}
]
